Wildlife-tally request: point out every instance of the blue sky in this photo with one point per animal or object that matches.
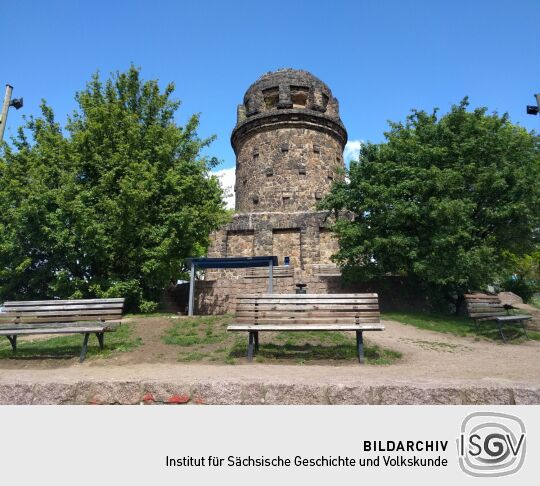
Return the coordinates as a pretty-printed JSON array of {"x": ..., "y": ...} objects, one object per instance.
[{"x": 380, "y": 57}]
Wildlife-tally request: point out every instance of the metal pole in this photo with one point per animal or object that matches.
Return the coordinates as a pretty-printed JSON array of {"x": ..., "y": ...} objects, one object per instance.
[
  {"x": 5, "y": 108},
  {"x": 191, "y": 289},
  {"x": 270, "y": 277}
]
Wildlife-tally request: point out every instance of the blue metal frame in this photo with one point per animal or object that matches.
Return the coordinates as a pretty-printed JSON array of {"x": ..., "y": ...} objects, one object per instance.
[{"x": 229, "y": 262}]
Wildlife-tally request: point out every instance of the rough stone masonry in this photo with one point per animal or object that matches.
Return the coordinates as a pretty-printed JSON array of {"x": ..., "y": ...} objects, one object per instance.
[{"x": 289, "y": 143}]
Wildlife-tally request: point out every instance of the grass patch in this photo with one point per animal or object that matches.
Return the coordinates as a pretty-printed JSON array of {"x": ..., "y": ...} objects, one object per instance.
[
  {"x": 205, "y": 338},
  {"x": 69, "y": 346},
  {"x": 460, "y": 326}
]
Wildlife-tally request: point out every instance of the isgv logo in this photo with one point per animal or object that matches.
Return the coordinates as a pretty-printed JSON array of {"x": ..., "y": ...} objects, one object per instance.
[{"x": 491, "y": 444}]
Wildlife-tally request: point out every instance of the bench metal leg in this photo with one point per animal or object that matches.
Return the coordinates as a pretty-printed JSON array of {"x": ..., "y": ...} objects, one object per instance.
[
  {"x": 256, "y": 333},
  {"x": 13, "y": 342},
  {"x": 250, "y": 345},
  {"x": 501, "y": 330},
  {"x": 84, "y": 347},
  {"x": 360, "y": 346},
  {"x": 522, "y": 322},
  {"x": 100, "y": 336}
]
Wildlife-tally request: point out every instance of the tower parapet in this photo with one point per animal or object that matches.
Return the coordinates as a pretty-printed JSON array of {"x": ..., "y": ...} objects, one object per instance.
[{"x": 288, "y": 142}]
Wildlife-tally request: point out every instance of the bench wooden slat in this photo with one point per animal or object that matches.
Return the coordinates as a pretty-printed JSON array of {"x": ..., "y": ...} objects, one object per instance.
[
  {"x": 267, "y": 300},
  {"x": 29, "y": 319},
  {"x": 346, "y": 303},
  {"x": 53, "y": 324},
  {"x": 494, "y": 308},
  {"x": 480, "y": 295},
  {"x": 505, "y": 318},
  {"x": 487, "y": 311},
  {"x": 307, "y": 320},
  {"x": 313, "y": 313},
  {"x": 311, "y": 327},
  {"x": 307, "y": 296},
  {"x": 513, "y": 318},
  {"x": 473, "y": 305},
  {"x": 55, "y": 308},
  {"x": 484, "y": 310},
  {"x": 307, "y": 307},
  {"x": 65, "y": 313},
  {"x": 20, "y": 303},
  {"x": 57, "y": 330},
  {"x": 486, "y": 314},
  {"x": 278, "y": 299}
]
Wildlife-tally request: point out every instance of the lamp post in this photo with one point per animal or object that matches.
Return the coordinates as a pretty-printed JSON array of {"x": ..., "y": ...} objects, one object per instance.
[{"x": 16, "y": 103}]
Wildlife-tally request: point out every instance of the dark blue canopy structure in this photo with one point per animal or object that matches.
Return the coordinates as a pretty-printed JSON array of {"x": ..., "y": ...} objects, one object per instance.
[
  {"x": 229, "y": 262},
  {"x": 233, "y": 262}
]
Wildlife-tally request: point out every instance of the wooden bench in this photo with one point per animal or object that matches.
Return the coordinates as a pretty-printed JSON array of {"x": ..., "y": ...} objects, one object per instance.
[
  {"x": 88, "y": 316},
  {"x": 486, "y": 307},
  {"x": 308, "y": 312}
]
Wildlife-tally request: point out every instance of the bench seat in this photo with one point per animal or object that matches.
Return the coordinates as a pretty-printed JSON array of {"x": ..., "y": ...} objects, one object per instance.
[
  {"x": 513, "y": 318},
  {"x": 311, "y": 327}
]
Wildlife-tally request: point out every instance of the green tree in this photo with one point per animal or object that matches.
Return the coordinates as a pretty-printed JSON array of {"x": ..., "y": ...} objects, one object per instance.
[
  {"x": 112, "y": 204},
  {"x": 443, "y": 201}
]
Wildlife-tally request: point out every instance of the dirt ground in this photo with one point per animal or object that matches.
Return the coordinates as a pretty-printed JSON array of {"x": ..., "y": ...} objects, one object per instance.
[{"x": 427, "y": 356}]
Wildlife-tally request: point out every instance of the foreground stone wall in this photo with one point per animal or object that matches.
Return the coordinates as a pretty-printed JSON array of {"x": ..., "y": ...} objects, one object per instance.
[{"x": 247, "y": 392}]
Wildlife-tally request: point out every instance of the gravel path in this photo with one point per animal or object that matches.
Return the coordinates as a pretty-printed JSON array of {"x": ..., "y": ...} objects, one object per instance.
[{"x": 428, "y": 358}]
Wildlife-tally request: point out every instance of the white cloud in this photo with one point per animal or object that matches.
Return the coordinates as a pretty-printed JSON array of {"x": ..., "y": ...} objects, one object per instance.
[
  {"x": 227, "y": 178},
  {"x": 352, "y": 150}
]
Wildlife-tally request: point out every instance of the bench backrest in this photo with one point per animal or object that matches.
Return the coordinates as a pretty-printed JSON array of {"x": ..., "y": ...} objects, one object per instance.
[
  {"x": 304, "y": 309},
  {"x": 37, "y": 311},
  {"x": 484, "y": 305}
]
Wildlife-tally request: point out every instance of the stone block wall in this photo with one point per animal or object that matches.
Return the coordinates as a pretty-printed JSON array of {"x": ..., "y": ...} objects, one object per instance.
[
  {"x": 303, "y": 236},
  {"x": 286, "y": 169}
]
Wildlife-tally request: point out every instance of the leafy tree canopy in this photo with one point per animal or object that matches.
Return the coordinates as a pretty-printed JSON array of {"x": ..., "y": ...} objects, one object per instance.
[
  {"x": 445, "y": 200},
  {"x": 111, "y": 204}
]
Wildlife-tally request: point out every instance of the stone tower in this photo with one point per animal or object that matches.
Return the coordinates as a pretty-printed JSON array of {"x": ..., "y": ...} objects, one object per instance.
[{"x": 289, "y": 143}]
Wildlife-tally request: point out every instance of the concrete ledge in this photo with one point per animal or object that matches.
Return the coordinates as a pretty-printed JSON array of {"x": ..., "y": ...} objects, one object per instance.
[{"x": 254, "y": 393}]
